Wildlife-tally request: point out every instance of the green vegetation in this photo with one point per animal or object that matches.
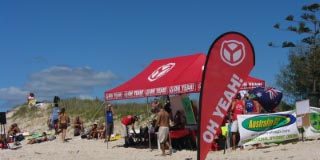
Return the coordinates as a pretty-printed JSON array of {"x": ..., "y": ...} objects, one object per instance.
[
  {"x": 88, "y": 110},
  {"x": 283, "y": 106},
  {"x": 301, "y": 77},
  {"x": 24, "y": 111}
]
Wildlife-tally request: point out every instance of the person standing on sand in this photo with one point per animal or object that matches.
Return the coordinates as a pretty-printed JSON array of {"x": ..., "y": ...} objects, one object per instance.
[
  {"x": 167, "y": 107},
  {"x": 109, "y": 121},
  {"x": 54, "y": 118},
  {"x": 237, "y": 108},
  {"x": 64, "y": 120},
  {"x": 155, "y": 106},
  {"x": 163, "y": 133},
  {"x": 257, "y": 105}
]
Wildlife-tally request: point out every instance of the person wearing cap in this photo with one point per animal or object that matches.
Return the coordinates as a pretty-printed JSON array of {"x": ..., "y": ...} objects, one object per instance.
[
  {"x": 109, "y": 121},
  {"x": 237, "y": 108},
  {"x": 125, "y": 122}
]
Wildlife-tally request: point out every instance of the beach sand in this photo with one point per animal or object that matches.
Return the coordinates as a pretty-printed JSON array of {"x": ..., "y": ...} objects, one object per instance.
[{"x": 83, "y": 149}]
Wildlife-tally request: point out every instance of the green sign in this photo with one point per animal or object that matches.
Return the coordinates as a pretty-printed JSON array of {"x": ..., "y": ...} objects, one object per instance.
[
  {"x": 186, "y": 103},
  {"x": 315, "y": 121},
  {"x": 268, "y": 122}
]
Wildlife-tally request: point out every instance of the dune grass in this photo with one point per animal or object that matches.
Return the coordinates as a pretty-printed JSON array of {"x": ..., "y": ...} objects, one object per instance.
[
  {"x": 24, "y": 111},
  {"x": 88, "y": 110}
]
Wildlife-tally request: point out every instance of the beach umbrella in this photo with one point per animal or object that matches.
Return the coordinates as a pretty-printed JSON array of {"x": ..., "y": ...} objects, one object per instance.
[{"x": 269, "y": 98}]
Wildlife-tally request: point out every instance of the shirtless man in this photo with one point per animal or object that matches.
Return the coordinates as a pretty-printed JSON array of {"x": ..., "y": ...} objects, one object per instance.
[
  {"x": 163, "y": 123},
  {"x": 78, "y": 126}
]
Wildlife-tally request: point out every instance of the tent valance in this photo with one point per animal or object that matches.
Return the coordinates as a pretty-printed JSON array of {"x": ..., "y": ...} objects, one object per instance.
[{"x": 169, "y": 76}]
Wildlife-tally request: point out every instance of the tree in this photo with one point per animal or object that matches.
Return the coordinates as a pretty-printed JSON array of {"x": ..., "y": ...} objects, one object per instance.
[
  {"x": 283, "y": 106},
  {"x": 301, "y": 77}
]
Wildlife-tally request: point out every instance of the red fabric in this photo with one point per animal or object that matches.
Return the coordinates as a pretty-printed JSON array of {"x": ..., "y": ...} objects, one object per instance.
[
  {"x": 183, "y": 75},
  {"x": 238, "y": 109},
  {"x": 230, "y": 60},
  {"x": 127, "y": 120},
  {"x": 176, "y": 134},
  {"x": 252, "y": 82},
  {"x": 162, "y": 77},
  {"x": 215, "y": 146}
]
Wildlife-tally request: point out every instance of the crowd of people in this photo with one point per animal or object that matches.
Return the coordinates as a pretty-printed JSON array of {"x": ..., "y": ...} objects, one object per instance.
[
  {"x": 59, "y": 121},
  {"x": 162, "y": 122},
  {"x": 247, "y": 104}
]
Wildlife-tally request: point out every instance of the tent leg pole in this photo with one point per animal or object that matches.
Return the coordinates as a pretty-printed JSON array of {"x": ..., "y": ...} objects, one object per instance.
[
  {"x": 149, "y": 125},
  {"x": 148, "y": 107},
  {"x": 149, "y": 141}
]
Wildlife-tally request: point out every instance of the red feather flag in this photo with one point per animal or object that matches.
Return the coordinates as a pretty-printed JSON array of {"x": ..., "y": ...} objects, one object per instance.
[{"x": 228, "y": 64}]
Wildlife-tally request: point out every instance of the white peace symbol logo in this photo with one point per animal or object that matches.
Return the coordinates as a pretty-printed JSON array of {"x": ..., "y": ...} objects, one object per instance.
[
  {"x": 232, "y": 52},
  {"x": 161, "y": 71}
]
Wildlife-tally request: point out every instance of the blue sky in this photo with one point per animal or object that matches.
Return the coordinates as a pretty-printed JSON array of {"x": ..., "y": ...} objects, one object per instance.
[{"x": 81, "y": 48}]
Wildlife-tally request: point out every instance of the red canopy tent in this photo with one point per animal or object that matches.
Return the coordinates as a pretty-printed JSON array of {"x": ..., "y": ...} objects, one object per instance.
[
  {"x": 252, "y": 82},
  {"x": 169, "y": 76}
]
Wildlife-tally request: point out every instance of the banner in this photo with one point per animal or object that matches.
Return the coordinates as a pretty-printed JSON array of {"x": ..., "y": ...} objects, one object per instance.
[
  {"x": 314, "y": 129},
  {"x": 267, "y": 128},
  {"x": 229, "y": 62},
  {"x": 183, "y": 103},
  {"x": 186, "y": 102},
  {"x": 176, "y": 104}
]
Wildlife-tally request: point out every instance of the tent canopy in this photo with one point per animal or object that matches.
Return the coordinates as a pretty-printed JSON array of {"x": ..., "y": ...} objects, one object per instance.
[
  {"x": 169, "y": 76},
  {"x": 252, "y": 82}
]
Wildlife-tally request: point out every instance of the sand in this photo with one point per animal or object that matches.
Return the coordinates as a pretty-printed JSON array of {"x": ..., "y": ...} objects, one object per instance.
[{"x": 83, "y": 149}]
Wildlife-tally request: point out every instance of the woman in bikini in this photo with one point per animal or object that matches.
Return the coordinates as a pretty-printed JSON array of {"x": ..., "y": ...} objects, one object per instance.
[{"x": 63, "y": 123}]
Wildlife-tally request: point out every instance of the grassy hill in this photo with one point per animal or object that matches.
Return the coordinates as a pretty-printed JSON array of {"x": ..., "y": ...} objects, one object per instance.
[{"x": 89, "y": 110}]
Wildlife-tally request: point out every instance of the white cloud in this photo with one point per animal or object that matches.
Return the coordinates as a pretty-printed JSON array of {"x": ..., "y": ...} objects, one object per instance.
[
  {"x": 59, "y": 80},
  {"x": 11, "y": 92},
  {"x": 12, "y": 96},
  {"x": 86, "y": 97}
]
